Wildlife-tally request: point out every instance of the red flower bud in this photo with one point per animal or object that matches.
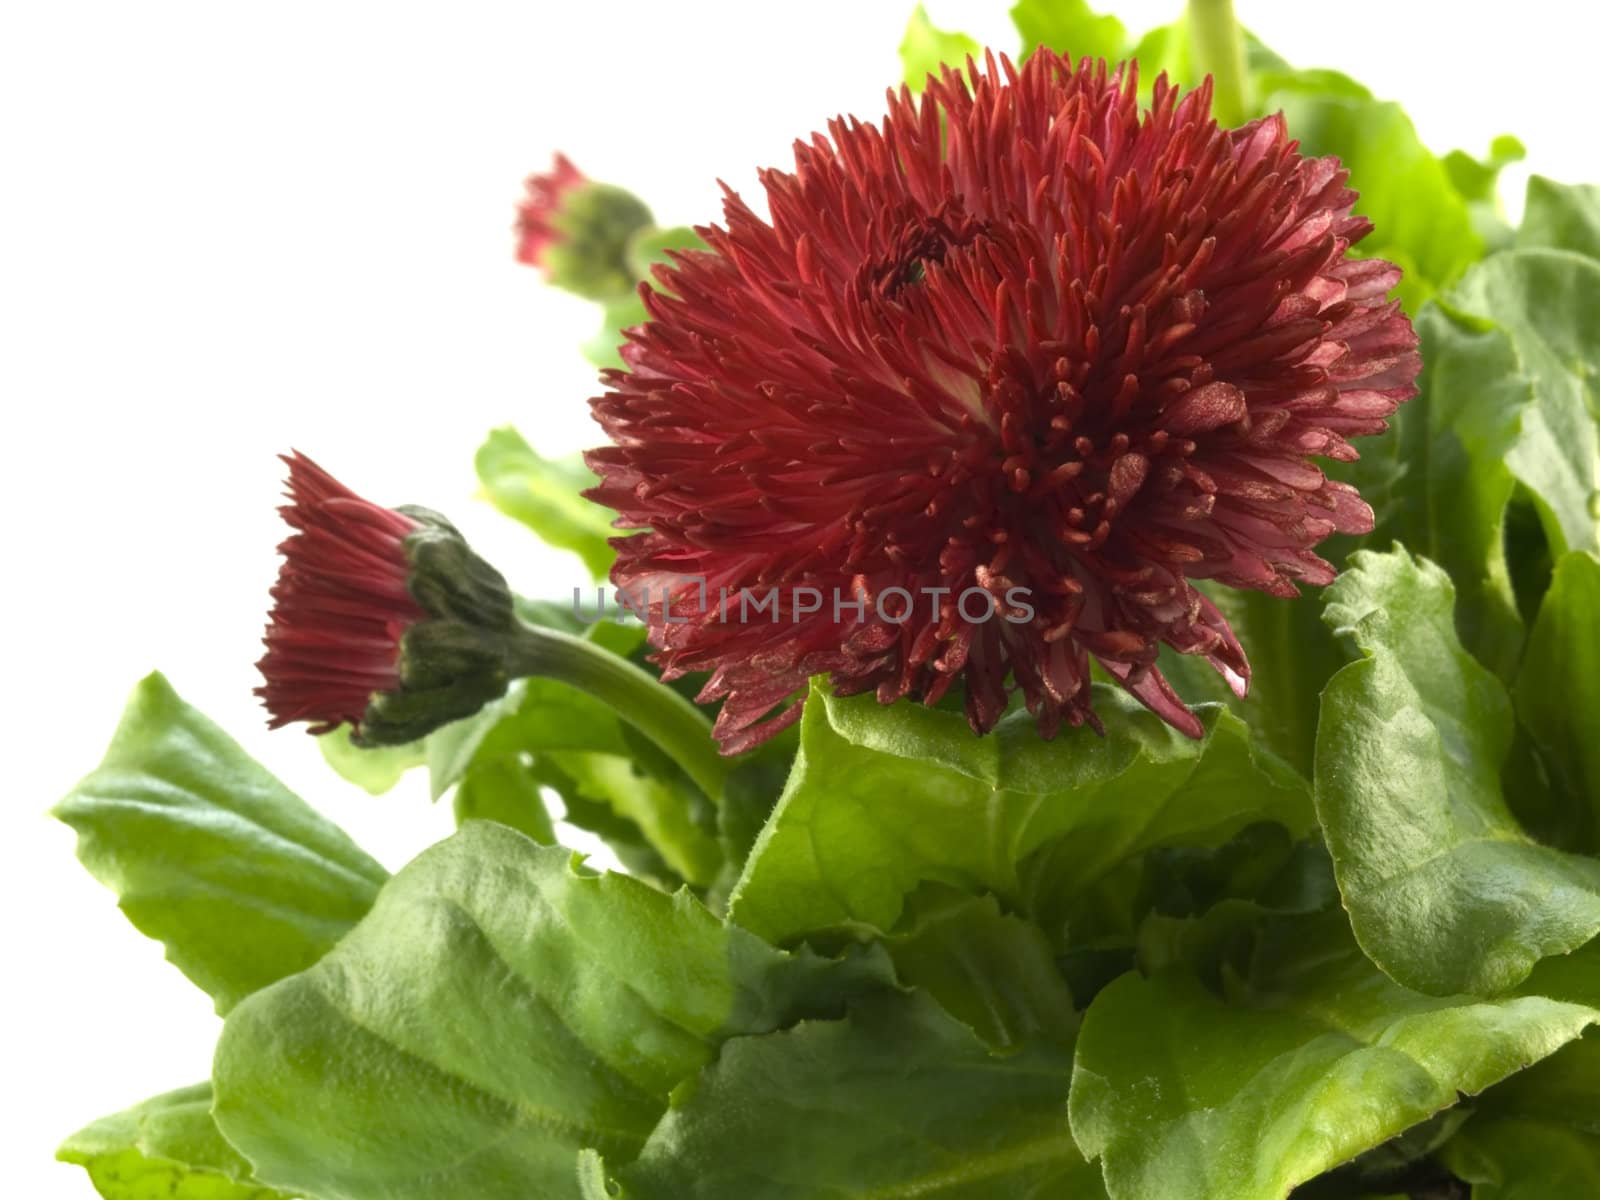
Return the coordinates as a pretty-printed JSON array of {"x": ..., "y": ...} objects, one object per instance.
[
  {"x": 341, "y": 603},
  {"x": 536, "y": 216},
  {"x": 578, "y": 232},
  {"x": 382, "y": 619}
]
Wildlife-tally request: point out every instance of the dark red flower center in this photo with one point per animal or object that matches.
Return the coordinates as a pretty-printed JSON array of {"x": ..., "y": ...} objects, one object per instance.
[{"x": 921, "y": 240}]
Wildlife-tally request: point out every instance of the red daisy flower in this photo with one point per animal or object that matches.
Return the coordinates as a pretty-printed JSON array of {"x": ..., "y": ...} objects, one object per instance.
[
  {"x": 1024, "y": 353},
  {"x": 342, "y": 603}
]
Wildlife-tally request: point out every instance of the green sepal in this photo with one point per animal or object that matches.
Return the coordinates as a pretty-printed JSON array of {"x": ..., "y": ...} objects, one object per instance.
[
  {"x": 589, "y": 256},
  {"x": 451, "y": 581},
  {"x": 462, "y": 657},
  {"x": 448, "y": 671}
]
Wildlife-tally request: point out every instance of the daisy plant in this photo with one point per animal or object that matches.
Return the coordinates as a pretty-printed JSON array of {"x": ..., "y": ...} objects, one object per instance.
[{"x": 1098, "y": 700}]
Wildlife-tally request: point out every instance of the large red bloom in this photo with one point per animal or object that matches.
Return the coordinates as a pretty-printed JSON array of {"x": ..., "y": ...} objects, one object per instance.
[
  {"x": 1021, "y": 335},
  {"x": 340, "y": 606}
]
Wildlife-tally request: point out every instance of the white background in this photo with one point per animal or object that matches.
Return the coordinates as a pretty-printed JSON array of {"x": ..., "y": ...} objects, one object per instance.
[{"x": 228, "y": 229}]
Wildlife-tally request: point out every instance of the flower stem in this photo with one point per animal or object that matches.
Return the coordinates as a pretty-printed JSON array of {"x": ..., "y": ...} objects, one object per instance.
[
  {"x": 1217, "y": 43},
  {"x": 679, "y": 728}
]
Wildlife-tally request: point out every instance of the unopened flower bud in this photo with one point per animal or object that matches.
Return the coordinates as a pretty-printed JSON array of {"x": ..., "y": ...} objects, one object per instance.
[
  {"x": 577, "y": 231},
  {"x": 383, "y": 619}
]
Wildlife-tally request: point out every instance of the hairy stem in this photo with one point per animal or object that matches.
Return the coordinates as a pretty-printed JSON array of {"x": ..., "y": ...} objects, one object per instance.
[
  {"x": 676, "y": 726},
  {"x": 1217, "y": 43}
]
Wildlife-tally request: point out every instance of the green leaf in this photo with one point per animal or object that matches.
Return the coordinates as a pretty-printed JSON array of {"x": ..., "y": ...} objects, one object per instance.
[
  {"x": 992, "y": 970},
  {"x": 374, "y": 769},
  {"x": 1548, "y": 302},
  {"x": 754, "y": 785},
  {"x": 1070, "y": 28},
  {"x": 676, "y": 822},
  {"x": 1421, "y": 222},
  {"x": 241, "y": 880},
  {"x": 1477, "y": 179},
  {"x": 652, "y": 247},
  {"x": 454, "y": 750},
  {"x": 1572, "y": 977},
  {"x": 167, "y": 1148},
  {"x": 897, "y": 1100},
  {"x": 1292, "y": 657},
  {"x": 506, "y": 790},
  {"x": 611, "y": 780},
  {"x": 497, "y": 1011},
  {"x": 1272, "y": 78},
  {"x": 1408, "y": 1161},
  {"x": 522, "y": 748},
  {"x": 623, "y": 837},
  {"x": 1209, "y": 905},
  {"x": 647, "y": 248},
  {"x": 1182, "y": 1093},
  {"x": 1507, "y": 408},
  {"x": 545, "y": 495},
  {"x": 925, "y": 48},
  {"x": 1184, "y": 880},
  {"x": 1478, "y": 182},
  {"x": 1558, "y": 688},
  {"x": 882, "y": 799},
  {"x": 1561, "y": 216},
  {"x": 1537, "y": 1135},
  {"x": 1165, "y": 49},
  {"x": 582, "y": 748},
  {"x": 1446, "y": 891},
  {"x": 1454, "y": 440},
  {"x": 604, "y": 348}
]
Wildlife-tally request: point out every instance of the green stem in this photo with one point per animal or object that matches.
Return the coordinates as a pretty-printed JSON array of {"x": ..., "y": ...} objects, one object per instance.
[
  {"x": 1217, "y": 43},
  {"x": 679, "y": 728}
]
